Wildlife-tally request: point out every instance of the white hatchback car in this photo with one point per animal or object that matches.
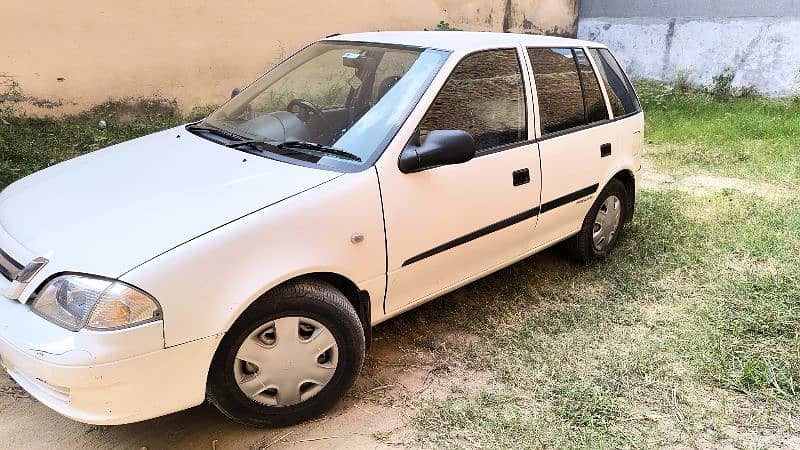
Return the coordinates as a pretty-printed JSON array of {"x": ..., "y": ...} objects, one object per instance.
[{"x": 245, "y": 258}]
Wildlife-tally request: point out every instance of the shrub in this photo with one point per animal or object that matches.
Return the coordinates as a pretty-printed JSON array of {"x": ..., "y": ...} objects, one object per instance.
[{"x": 444, "y": 26}]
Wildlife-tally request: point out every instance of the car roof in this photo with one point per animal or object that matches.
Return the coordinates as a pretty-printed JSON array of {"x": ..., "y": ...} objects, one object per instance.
[{"x": 462, "y": 40}]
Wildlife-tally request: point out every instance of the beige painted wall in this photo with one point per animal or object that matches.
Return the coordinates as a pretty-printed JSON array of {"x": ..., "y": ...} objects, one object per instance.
[{"x": 82, "y": 52}]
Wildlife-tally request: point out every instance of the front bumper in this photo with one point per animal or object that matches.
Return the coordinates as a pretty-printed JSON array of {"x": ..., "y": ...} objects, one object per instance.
[
  {"x": 131, "y": 390},
  {"x": 103, "y": 378}
]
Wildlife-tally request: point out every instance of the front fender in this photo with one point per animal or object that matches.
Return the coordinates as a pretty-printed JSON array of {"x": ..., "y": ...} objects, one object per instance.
[{"x": 205, "y": 284}]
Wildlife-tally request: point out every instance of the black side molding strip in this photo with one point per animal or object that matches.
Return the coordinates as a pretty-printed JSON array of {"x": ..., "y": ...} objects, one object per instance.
[
  {"x": 475, "y": 235},
  {"x": 505, "y": 223},
  {"x": 569, "y": 198}
]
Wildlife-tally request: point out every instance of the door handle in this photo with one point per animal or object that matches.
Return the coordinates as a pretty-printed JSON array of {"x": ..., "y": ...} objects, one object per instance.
[
  {"x": 605, "y": 150},
  {"x": 521, "y": 176}
]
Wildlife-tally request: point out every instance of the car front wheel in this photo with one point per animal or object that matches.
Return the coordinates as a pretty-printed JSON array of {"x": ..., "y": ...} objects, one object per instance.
[{"x": 289, "y": 358}]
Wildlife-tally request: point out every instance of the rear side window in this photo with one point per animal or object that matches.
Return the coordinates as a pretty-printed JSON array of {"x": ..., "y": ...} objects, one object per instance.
[
  {"x": 559, "y": 89},
  {"x": 483, "y": 96},
  {"x": 620, "y": 92},
  {"x": 593, "y": 99}
]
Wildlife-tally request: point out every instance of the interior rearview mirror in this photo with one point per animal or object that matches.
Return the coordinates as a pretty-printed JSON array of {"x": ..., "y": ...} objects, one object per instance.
[{"x": 441, "y": 147}]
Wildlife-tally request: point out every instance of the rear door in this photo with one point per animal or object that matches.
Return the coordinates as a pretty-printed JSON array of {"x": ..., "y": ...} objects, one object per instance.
[
  {"x": 447, "y": 224},
  {"x": 574, "y": 143},
  {"x": 628, "y": 123}
]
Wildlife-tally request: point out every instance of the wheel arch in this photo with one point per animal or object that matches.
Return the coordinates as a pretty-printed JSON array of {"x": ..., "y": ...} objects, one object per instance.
[
  {"x": 359, "y": 298},
  {"x": 627, "y": 178}
]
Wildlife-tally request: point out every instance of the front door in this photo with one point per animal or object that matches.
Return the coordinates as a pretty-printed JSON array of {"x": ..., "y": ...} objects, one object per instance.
[{"x": 448, "y": 224}]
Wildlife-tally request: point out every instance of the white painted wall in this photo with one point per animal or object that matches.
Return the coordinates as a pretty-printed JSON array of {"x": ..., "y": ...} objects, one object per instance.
[{"x": 763, "y": 52}]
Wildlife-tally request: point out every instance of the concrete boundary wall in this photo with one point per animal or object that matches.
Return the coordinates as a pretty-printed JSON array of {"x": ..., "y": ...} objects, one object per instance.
[
  {"x": 689, "y": 8},
  {"x": 763, "y": 52}
]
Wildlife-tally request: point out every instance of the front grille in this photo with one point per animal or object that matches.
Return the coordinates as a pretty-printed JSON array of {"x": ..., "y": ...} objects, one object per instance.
[{"x": 8, "y": 266}]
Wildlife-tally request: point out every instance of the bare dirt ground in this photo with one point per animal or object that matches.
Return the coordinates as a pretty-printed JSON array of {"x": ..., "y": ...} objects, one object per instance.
[
  {"x": 401, "y": 373},
  {"x": 398, "y": 375},
  {"x": 703, "y": 183}
]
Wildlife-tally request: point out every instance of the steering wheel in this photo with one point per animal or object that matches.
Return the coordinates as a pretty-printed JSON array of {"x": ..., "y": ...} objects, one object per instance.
[{"x": 305, "y": 110}]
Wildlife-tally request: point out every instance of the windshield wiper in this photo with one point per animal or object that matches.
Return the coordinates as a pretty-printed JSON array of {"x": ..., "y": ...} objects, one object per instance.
[
  {"x": 257, "y": 150},
  {"x": 209, "y": 129},
  {"x": 319, "y": 148},
  {"x": 287, "y": 145},
  {"x": 254, "y": 142}
]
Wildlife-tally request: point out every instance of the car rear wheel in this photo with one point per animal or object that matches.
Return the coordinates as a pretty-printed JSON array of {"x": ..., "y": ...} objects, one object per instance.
[
  {"x": 602, "y": 224},
  {"x": 289, "y": 358}
]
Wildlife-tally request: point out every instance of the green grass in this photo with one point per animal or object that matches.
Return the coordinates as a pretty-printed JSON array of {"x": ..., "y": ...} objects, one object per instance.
[{"x": 749, "y": 137}]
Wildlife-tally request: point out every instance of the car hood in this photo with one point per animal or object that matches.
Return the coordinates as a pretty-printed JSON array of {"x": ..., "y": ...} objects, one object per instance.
[{"x": 111, "y": 210}]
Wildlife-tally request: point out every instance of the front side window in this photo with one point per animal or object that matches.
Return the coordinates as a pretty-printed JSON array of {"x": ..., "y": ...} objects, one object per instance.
[
  {"x": 620, "y": 92},
  {"x": 343, "y": 96},
  {"x": 558, "y": 87},
  {"x": 483, "y": 96}
]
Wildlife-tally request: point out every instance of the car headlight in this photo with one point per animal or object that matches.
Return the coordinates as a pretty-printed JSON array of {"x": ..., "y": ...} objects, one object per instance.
[{"x": 82, "y": 301}]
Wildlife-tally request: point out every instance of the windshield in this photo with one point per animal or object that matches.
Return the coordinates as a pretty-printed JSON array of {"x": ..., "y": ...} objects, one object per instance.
[{"x": 332, "y": 97}]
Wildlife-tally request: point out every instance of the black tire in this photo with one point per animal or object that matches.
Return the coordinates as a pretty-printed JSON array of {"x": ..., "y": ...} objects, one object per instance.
[
  {"x": 581, "y": 245},
  {"x": 309, "y": 298}
]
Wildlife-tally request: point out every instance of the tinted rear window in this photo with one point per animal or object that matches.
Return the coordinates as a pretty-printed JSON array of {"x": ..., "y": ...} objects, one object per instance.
[
  {"x": 593, "y": 99},
  {"x": 620, "y": 92},
  {"x": 558, "y": 87}
]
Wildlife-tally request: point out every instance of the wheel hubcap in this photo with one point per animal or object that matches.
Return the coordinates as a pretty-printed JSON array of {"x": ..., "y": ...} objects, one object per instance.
[
  {"x": 286, "y": 361},
  {"x": 606, "y": 223}
]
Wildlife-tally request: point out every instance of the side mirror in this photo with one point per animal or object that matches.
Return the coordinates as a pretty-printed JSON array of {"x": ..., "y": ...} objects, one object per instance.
[
  {"x": 235, "y": 92},
  {"x": 441, "y": 147}
]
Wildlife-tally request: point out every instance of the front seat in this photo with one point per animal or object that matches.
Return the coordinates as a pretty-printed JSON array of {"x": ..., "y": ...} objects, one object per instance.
[{"x": 385, "y": 86}]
